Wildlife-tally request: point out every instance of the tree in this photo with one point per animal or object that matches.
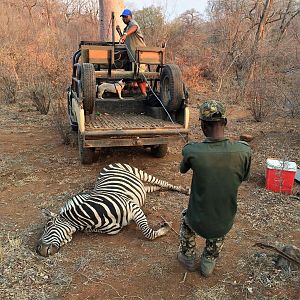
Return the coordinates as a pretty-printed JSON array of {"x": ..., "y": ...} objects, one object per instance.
[
  {"x": 106, "y": 7},
  {"x": 242, "y": 32}
]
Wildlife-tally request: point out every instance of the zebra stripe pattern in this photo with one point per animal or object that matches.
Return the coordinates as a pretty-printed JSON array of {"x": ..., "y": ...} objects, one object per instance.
[{"x": 116, "y": 199}]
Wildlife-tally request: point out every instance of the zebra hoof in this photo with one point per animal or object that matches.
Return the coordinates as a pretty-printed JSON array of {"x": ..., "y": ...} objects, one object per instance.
[
  {"x": 165, "y": 224},
  {"x": 164, "y": 229}
]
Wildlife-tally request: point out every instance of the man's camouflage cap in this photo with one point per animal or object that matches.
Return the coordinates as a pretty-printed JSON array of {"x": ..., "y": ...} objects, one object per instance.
[{"x": 212, "y": 111}]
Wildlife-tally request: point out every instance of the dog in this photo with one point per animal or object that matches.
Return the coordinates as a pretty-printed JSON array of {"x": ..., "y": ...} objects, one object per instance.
[{"x": 115, "y": 88}]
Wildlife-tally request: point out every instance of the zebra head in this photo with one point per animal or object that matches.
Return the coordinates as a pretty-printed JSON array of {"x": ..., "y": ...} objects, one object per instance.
[{"x": 57, "y": 233}]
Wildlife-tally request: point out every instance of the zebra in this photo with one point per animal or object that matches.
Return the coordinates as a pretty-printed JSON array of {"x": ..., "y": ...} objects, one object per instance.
[{"x": 116, "y": 199}]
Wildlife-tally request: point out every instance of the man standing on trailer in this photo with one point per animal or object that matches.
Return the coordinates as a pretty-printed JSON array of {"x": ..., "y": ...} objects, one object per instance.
[{"x": 133, "y": 38}]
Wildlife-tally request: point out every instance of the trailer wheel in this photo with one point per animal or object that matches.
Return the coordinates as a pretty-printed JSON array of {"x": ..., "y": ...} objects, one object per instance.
[
  {"x": 88, "y": 85},
  {"x": 171, "y": 90},
  {"x": 86, "y": 155},
  {"x": 71, "y": 115},
  {"x": 159, "y": 151}
]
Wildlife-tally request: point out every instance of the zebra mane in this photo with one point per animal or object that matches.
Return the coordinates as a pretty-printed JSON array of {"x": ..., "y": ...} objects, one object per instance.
[{"x": 74, "y": 201}]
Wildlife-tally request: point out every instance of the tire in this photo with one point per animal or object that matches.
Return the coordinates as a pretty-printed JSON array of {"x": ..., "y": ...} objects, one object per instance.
[
  {"x": 72, "y": 117},
  {"x": 159, "y": 151},
  {"x": 88, "y": 86},
  {"x": 86, "y": 155},
  {"x": 74, "y": 127},
  {"x": 171, "y": 90}
]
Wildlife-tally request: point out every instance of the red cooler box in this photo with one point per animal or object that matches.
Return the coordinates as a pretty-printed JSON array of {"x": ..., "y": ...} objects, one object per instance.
[{"x": 280, "y": 175}]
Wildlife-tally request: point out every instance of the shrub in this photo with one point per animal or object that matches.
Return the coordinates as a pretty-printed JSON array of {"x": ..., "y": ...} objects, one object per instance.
[
  {"x": 8, "y": 86},
  {"x": 40, "y": 92},
  {"x": 61, "y": 122}
]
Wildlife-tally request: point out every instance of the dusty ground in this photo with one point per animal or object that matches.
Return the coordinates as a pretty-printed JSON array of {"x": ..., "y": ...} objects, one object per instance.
[{"x": 38, "y": 171}]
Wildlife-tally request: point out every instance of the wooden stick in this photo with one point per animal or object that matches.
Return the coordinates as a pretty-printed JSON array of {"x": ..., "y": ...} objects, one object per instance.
[
  {"x": 184, "y": 277},
  {"x": 295, "y": 197},
  {"x": 264, "y": 246},
  {"x": 169, "y": 225}
]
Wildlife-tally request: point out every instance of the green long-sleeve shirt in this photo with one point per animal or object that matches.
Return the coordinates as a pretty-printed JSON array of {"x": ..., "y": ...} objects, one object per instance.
[{"x": 219, "y": 167}]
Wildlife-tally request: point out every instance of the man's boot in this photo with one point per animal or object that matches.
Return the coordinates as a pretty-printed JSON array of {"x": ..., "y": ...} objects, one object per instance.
[
  {"x": 187, "y": 253},
  {"x": 210, "y": 254},
  {"x": 188, "y": 262},
  {"x": 143, "y": 87},
  {"x": 207, "y": 265}
]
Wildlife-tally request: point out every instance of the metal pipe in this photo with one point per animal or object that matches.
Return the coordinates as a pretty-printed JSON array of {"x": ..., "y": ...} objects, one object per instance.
[
  {"x": 139, "y": 132},
  {"x": 124, "y": 142},
  {"x": 75, "y": 61},
  {"x": 113, "y": 27}
]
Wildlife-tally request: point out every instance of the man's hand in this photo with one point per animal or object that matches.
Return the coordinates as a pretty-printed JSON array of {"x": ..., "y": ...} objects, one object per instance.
[{"x": 122, "y": 39}]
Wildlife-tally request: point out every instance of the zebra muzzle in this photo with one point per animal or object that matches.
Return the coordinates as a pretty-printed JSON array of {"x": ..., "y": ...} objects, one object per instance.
[{"x": 46, "y": 250}]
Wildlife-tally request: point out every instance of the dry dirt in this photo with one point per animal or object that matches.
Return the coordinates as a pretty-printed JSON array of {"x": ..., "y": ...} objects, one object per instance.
[{"x": 37, "y": 171}]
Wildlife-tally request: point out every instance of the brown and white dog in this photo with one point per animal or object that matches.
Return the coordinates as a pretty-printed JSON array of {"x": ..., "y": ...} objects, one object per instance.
[{"x": 115, "y": 88}]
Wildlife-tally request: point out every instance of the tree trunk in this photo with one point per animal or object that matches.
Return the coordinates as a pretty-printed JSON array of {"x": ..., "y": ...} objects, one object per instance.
[
  {"x": 249, "y": 72},
  {"x": 106, "y": 7}
]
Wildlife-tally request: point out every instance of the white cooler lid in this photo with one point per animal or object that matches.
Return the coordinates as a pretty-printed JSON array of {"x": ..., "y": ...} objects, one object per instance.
[
  {"x": 297, "y": 176},
  {"x": 281, "y": 165}
]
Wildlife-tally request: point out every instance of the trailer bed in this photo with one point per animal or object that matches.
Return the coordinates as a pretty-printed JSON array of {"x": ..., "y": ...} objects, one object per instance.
[{"x": 117, "y": 121}]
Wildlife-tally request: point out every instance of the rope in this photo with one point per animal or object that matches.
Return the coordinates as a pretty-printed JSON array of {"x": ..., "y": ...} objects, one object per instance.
[{"x": 169, "y": 116}]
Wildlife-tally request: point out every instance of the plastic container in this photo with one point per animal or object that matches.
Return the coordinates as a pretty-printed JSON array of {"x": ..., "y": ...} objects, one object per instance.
[{"x": 280, "y": 175}]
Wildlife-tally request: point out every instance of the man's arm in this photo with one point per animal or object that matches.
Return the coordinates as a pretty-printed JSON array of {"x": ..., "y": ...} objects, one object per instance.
[
  {"x": 185, "y": 163},
  {"x": 184, "y": 167},
  {"x": 130, "y": 31}
]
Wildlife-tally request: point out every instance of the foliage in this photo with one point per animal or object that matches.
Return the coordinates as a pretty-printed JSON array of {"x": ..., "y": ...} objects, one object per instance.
[
  {"x": 8, "y": 86},
  {"x": 247, "y": 34},
  {"x": 40, "y": 92},
  {"x": 241, "y": 50},
  {"x": 152, "y": 21},
  {"x": 61, "y": 123}
]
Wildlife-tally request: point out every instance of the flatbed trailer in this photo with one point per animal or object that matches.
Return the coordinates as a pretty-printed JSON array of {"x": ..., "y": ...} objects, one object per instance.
[
  {"x": 125, "y": 123},
  {"x": 152, "y": 121}
]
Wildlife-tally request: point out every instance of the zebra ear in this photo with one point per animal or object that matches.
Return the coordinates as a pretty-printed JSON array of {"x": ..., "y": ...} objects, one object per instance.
[{"x": 47, "y": 213}]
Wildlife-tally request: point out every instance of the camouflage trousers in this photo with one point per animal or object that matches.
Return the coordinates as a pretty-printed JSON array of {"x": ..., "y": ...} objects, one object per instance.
[{"x": 187, "y": 246}]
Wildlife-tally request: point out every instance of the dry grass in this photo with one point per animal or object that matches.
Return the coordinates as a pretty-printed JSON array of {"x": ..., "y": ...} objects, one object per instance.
[
  {"x": 217, "y": 292},
  {"x": 38, "y": 172},
  {"x": 1, "y": 253},
  {"x": 24, "y": 275}
]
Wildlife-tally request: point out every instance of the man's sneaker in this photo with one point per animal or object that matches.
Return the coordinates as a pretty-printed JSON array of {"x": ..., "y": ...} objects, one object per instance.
[
  {"x": 189, "y": 263},
  {"x": 207, "y": 265}
]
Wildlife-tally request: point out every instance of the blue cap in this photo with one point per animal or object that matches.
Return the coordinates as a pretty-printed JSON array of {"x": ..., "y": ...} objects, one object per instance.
[{"x": 126, "y": 12}]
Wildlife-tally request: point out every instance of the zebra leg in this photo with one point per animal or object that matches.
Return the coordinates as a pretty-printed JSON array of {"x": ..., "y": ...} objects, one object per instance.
[
  {"x": 146, "y": 178},
  {"x": 140, "y": 219},
  {"x": 143, "y": 176},
  {"x": 152, "y": 188},
  {"x": 167, "y": 186}
]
